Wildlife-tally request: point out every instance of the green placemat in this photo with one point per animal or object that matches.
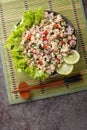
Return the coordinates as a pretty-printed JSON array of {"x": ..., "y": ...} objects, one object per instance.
[{"x": 10, "y": 13}]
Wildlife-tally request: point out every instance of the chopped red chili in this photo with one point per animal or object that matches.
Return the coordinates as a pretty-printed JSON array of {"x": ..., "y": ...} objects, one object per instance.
[
  {"x": 57, "y": 59},
  {"x": 44, "y": 39},
  {"x": 41, "y": 62},
  {"x": 45, "y": 32},
  {"x": 56, "y": 25},
  {"x": 62, "y": 42},
  {"x": 29, "y": 37},
  {"x": 59, "y": 36},
  {"x": 45, "y": 46}
]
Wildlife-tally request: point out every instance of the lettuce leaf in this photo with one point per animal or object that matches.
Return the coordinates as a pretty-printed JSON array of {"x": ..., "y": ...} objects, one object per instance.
[
  {"x": 35, "y": 73},
  {"x": 39, "y": 15},
  {"x": 30, "y": 17}
]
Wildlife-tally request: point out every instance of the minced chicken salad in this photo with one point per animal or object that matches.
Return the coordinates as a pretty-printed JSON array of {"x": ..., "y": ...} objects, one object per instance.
[{"x": 43, "y": 44}]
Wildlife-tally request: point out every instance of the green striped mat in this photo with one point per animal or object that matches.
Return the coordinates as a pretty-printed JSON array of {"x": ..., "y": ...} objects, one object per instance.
[{"x": 10, "y": 13}]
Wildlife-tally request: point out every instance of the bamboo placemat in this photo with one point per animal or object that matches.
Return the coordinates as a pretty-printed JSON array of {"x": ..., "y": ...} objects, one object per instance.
[{"x": 11, "y": 12}]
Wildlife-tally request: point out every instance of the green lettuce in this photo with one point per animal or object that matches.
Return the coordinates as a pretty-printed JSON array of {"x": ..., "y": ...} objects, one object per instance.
[
  {"x": 35, "y": 73},
  {"x": 30, "y": 17},
  {"x": 39, "y": 15}
]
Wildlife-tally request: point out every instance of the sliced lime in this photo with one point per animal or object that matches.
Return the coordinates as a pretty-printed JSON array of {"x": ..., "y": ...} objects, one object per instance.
[
  {"x": 73, "y": 58},
  {"x": 64, "y": 69}
]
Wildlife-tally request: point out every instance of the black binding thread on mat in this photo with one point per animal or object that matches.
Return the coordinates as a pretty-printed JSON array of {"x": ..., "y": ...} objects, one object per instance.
[
  {"x": 26, "y": 4},
  {"x": 42, "y": 89},
  {"x": 79, "y": 31},
  {"x": 50, "y": 5},
  {"x": 2, "y": 21},
  {"x": 7, "y": 51}
]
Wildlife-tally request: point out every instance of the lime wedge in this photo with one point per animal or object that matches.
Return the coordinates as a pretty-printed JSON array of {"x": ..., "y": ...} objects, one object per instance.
[
  {"x": 65, "y": 69},
  {"x": 72, "y": 58}
]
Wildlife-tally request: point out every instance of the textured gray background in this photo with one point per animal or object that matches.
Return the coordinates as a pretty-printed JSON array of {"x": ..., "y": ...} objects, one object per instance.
[{"x": 68, "y": 112}]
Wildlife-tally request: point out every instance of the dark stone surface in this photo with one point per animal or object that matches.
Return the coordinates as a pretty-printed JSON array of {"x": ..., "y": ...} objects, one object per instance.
[{"x": 68, "y": 112}]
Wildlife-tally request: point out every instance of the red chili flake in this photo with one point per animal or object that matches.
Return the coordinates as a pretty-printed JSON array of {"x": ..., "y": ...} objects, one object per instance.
[
  {"x": 62, "y": 42},
  {"x": 57, "y": 59},
  {"x": 56, "y": 25},
  {"x": 28, "y": 37},
  {"x": 59, "y": 36},
  {"x": 45, "y": 32},
  {"x": 44, "y": 39},
  {"x": 41, "y": 62},
  {"x": 45, "y": 46}
]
